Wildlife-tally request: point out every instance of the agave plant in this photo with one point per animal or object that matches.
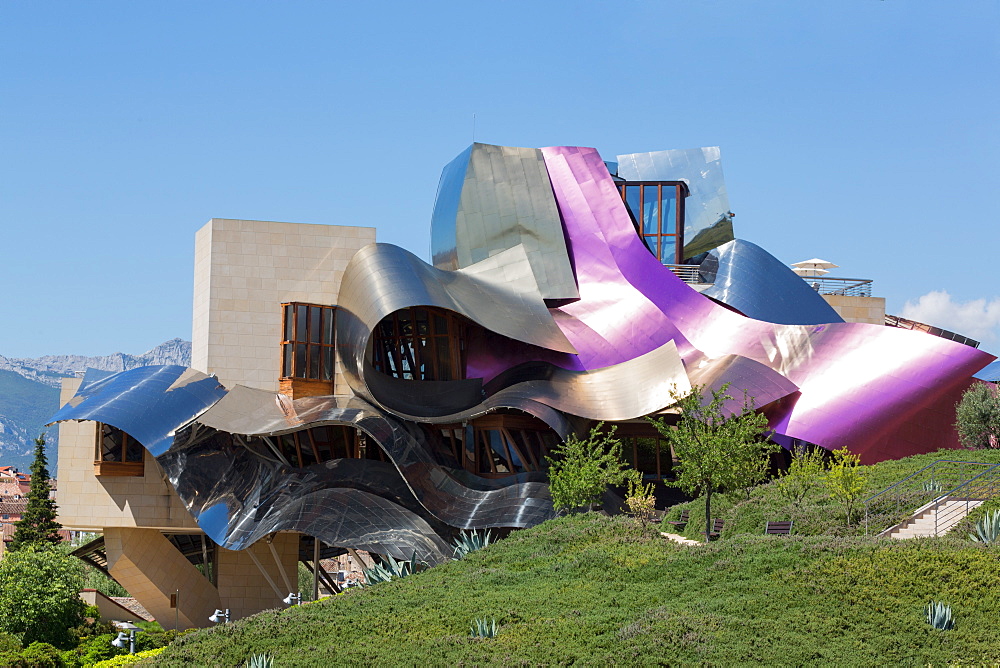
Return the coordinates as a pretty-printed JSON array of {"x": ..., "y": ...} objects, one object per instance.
[
  {"x": 939, "y": 615},
  {"x": 987, "y": 528},
  {"x": 481, "y": 628},
  {"x": 932, "y": 486},
  {"x": 391, "y": 569},
  {"x": 470, "y": 541},
  {"x": 259, "y": 661}
]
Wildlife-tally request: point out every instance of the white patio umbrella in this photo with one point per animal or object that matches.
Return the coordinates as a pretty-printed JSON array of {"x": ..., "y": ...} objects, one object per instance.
[
  {"x": 813, "y": 265},
  {"x": 802, "y": 271}
]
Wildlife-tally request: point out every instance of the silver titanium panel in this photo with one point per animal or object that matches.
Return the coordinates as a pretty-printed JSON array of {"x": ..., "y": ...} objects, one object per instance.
[
  {"x": 758, "y": 285},
  {"x": 505, "y": 200},
  {"x": 499, "y": 294},
  {"x": 707, "y": 219},
  {"x": 148, "y": 403},
  {"x": 447, "y": 494}
]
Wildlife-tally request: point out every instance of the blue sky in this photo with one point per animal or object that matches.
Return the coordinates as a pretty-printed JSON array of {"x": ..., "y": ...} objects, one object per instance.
[{"x": 865, "y": 132}]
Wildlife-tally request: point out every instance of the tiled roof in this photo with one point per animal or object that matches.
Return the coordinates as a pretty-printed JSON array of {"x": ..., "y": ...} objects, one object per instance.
[
  {"x": 13, "y": 507},
  {"x": 133, "y": 606}
]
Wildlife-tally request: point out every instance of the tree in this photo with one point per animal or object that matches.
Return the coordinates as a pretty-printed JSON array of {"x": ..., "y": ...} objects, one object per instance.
[
  {"x": 718, "y": 450},
  {"x": 977, "y": 417},
  {"x": 38, "y": 523},
  {"x": 581, "y": 469},
  {"x": 846, "y": 480},
  {"x": 803, "y": 475},
  {"x": 40, "y": 595}
]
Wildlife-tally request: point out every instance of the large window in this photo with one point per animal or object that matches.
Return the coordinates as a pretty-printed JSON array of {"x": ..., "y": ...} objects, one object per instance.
[
  {"x": 420, "y": 343},
  {"x": 501, "y": 444},
  {"x": 307, "y": 350},
  {"x": 117, "y": 453},
  {"x": 657, "y": 211},
  {"x": 321, "y": 444}
]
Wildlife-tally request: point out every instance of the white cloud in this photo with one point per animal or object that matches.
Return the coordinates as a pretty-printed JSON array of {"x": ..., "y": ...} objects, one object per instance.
[{"x": 978, "y": 319}]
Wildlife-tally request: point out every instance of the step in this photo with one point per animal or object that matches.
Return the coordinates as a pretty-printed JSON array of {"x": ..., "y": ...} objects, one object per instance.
[{"x": 953, "y": 511}]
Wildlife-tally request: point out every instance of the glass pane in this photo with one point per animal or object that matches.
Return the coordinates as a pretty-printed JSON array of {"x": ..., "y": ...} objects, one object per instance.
[
  {"x": 134, "y": 452},
  {"x": 632, "y": 202},
  {"x": 650, "y": 210},
  {"x": 301, "y": 313},
  {"x": 314, "y": 362},
  {"x": 289, "y": 319},
  {"x": 300, "y": 361},
  {"x": 327, "y": 363},
  {"x": 668, "y": 205},
  {"x": 286, "y": 360},
  {"x": 444, "y": 359},
  {"x": 440, "y": 324},
  {"x": 653, "y": 244},
  {"x": 667, "y": 249},
  {"x": 315, "y": 332},
  {"x": 328, "y": 320},
  {"x": 421, "y": 316}
]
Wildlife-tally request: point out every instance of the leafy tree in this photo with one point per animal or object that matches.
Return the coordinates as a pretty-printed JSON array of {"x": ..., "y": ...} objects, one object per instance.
[
  {"x": 718, "y": 451},
  {"x": 40, "y": 595},
  {"x": 581, "y": 469},
  {"x": 846, "y": 480},
  {"x": 804, "y": 474},
  {"x": 38, "y": 523},
  {"x": 977, "y": 417}
]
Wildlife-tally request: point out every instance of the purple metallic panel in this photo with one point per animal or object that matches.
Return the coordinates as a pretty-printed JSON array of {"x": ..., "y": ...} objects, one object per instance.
[{"x": 883, "y": 392}]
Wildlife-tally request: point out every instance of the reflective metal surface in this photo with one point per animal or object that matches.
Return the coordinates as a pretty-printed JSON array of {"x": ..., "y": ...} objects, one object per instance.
[
  {"x": 493, "y": 198},
  {"x": 881, "y": 391},
  {"x": 708, "y": 222},
  {"x": 149, "y": 403},
  {"x": 990, "y": 373},
  {"x": 498, "y": 293},
  {"x": 758, "y": 285}
]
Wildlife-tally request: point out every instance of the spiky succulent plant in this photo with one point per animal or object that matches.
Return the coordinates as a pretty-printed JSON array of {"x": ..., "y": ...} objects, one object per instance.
[{"x": 939, "y": 615}]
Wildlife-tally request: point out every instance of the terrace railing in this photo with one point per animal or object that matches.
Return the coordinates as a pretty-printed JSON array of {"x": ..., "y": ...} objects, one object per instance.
[
  {"x": 850, "y": 287},
  {"x": 686, "y": 272},
  {"x": 931, "y": 487}
]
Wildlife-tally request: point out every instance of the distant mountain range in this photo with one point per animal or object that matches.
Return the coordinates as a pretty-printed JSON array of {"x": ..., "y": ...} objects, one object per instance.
[{"x": 29, "y": 394}]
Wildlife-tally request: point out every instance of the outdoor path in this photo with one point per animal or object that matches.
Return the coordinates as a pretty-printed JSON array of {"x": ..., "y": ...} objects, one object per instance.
[{"x": 679, "y": 539}]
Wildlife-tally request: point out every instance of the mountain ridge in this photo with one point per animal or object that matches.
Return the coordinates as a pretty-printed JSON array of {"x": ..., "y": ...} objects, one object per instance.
[{"x": 29, "y": 393}]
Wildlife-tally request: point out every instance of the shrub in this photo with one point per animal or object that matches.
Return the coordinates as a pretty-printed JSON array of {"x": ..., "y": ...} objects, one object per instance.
[
  {"x": 977, "y": 417},
  {"x": 581, "y": 469},
  {"x": 640, "y": 500},
  {"x": 39, "y": 595},
  {"x": 846, "y": 480},
  {"x": 128, "y": 659},
  {"x": 803, "y": 475},
  {"x": 39, "y": 655}
]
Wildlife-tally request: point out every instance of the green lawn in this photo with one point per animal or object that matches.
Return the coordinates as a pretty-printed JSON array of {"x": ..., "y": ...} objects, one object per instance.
[{"x": 597, "y": 591}]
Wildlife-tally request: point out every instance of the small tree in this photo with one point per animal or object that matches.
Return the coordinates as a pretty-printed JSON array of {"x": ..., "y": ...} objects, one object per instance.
[
  {"x": 581, "y": 469},
  {"x": 718, "y": 451},
  {"x": 40, "y": 595},
  {"x": 38, "y": 523},
  {"x": 977, "y": 417},
  {"x": 846, "y": 480},
  {"x": 804, "y": 474}
]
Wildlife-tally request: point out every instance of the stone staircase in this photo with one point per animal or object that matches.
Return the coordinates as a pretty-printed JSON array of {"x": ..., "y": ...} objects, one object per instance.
[{"x": 945, "y": 513}]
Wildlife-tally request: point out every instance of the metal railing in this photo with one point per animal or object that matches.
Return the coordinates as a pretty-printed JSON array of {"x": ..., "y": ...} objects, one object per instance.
[
  {"x": 921, "y": 490},
  {"x": 984, "y": 486},
  {"x": 686, "y": 272},
  {"x": 849, "y": 287}
]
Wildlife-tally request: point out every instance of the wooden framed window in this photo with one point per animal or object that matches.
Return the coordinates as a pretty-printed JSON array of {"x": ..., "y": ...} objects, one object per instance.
[
  {"x": 420, "y": 343},
  {"x": 321, "y": 444},
  {"x": 502, "y": 444},
  {"x": 657, "y": 212},
  {"x": 117, "y": 453},
  {"x": 307, "y": 346}
]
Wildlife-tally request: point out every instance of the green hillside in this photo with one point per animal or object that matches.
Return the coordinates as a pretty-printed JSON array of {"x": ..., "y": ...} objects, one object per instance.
[
  {"x": 25, "y": 406},
  {"x": 594, "y": 590}
]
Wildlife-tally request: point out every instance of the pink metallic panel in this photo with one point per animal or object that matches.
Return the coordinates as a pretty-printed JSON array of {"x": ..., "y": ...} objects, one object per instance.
[{"x": 881, "y": 391}]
